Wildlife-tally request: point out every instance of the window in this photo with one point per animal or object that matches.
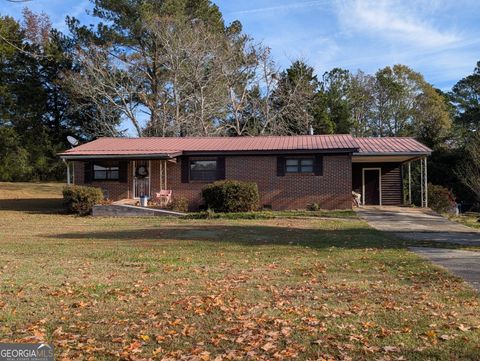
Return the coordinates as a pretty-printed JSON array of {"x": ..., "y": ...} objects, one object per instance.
[
  {"x": 299, "y": 165},
  {"x": 203, "y": 170},
  {"x": 106, "y": 171}
]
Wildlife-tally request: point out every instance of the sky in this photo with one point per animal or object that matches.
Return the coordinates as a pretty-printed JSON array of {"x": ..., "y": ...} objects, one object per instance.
[{"x": 439, "y": 38}]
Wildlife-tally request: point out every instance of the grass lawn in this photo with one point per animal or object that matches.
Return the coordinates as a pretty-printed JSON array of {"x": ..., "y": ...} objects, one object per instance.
[
  {"x": 468, "y": 220},
  {"x": 222, "y": 289}
]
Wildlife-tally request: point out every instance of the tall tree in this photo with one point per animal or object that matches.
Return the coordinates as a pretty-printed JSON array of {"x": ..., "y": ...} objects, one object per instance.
[
  {"x": 469, "y": 169},
  {"x": 361, "y": 101},
  {"x": 34, "y": 106},
  {"x": 335, "y": 87},
  {"x": 465, "y": 97},
  {"x": 395, "y": 91},
  {"x": 432, "y": 118},
  {"x": 406, "y": 105},
  {"x": 139, "y": 39},
  {"x": 299, "y": 103}
]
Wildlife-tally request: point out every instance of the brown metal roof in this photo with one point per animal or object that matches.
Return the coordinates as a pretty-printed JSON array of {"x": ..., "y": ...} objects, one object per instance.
[
  {"x": 390, "y": 145},
  {"x": 176, "y": 146},
  {"x": 172, "y": 147}
]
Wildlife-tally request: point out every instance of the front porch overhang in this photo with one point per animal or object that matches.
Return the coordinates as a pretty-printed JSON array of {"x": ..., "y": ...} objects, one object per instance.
[{"x": 161, "y": 156}]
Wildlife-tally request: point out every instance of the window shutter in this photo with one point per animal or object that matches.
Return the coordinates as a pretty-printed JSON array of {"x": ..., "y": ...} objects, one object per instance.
[
  {"x": 220, "y": 168},
  {"x": 185, "y": 170},
  {"x": 318, "y": 167},
  {"x": 123, "y": 171},
  {"x": 280, "y": 166},
  {"x": 88, "y": 172}
]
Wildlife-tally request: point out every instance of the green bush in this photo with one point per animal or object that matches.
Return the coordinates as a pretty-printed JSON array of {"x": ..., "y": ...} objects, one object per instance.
[
  {"x": 231, "y": 196},
  {"x": 440, "y": 199},
  {"x": 80, "y": 199},
  {"x": 178, "y": 205}
]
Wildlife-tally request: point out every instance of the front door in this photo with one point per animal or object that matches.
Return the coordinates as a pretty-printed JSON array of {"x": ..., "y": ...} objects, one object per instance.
[
  {"x": 371, "y": 184},
  {"x": 141, "y": 178}
]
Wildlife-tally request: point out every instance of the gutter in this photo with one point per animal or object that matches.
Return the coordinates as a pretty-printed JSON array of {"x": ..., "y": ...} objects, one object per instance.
[{"x": 67, "y": 156}]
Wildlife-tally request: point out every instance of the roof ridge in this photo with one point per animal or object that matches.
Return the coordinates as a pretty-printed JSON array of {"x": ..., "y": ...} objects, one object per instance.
[{"x": 236, "y": 137}]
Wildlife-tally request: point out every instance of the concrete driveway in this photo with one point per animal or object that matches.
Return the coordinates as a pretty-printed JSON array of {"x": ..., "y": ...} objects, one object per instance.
[
  {"x": 425, "y": 225},
  {"x": 464, "y": 264},
  {"x": 418, "y": 225}
]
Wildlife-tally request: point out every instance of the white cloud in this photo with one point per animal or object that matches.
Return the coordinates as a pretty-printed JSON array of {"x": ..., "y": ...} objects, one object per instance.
[
  {"x": 395, "y": 21},
  {"x": 270, "y": 9}
]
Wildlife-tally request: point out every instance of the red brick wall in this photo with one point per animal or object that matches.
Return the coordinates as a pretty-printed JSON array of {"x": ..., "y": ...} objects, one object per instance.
[
  {"x": 116, "y": 190},
  {"x": 332, "y": 190}
]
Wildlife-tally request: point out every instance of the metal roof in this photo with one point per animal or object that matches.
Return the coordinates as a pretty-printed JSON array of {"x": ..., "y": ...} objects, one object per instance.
[
  {"x": 175, "y": 146},
  {"x": 391, "y": 145}
]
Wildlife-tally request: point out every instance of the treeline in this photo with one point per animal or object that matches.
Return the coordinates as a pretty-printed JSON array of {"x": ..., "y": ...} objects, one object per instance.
[{"x": 174, "y": 68}]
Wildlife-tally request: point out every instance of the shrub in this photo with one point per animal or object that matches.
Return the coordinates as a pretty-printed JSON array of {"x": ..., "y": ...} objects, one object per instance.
[
  {"x": 178, "y": 205},
  {"x": 313, "y": 207},
  {"x": 440, "y": 199},
  {"x": 231, "y": 196},
  {"x": 80, "y": 199}
]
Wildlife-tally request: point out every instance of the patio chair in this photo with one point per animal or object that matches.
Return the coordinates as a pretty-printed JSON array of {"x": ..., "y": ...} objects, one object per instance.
[
  {"x": 356, "y": 199},
  {"x": 164, "y": 197}
]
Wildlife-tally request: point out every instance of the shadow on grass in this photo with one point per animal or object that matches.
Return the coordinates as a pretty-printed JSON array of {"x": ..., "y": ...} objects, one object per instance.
[
  {"x": 198, "y": 236},
  {"x": 439, "y": 237},
  {"x": 33, "y": 205},
  {"x": 248, "y": 235}
]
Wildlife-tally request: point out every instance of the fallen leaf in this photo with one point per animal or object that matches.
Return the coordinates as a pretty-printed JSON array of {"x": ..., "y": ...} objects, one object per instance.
[
  {"x": 390, "y": 349},
  {"x": 268, "y": 347}
]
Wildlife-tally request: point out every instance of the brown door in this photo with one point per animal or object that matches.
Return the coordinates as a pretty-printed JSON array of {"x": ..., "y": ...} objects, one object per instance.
[{"x": 372, "y": 186}]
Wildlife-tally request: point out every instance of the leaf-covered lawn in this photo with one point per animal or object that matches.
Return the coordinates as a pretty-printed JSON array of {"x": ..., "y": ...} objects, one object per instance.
[{"x": 224, "y": 289}]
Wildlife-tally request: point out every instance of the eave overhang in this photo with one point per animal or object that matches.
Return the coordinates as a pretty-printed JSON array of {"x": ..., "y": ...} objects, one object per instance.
[
  {"x": 401, "y": 157},
  {"x": 67, "y": 156},
  {"x": 270, "y": 152}
]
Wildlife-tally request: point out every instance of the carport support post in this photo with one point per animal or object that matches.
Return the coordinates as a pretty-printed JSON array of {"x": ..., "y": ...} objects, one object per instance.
[
  {"x": 68, "y": 173},
  {"x": 421, "y": 184},
  {"x": 425, "y": 178},
  {"x": 165, "y": 174},
  {"x": 410, "y": 183},
  {"x": 161, "y": 175}
]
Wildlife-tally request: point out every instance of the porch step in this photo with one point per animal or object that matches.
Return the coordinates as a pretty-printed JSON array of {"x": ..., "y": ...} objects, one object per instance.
[{"x": 125, "y": 210}]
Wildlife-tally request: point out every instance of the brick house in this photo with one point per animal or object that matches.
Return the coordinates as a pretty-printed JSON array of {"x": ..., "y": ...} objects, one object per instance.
[{"x": 290, "y": 171}]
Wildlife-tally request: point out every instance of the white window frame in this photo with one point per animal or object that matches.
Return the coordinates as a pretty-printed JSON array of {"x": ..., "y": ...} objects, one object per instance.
[{"x": 379, "y": 183}]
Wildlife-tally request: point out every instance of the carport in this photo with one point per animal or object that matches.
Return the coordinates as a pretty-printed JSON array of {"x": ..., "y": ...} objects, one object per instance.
[{"x": 378, "y": 170}]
